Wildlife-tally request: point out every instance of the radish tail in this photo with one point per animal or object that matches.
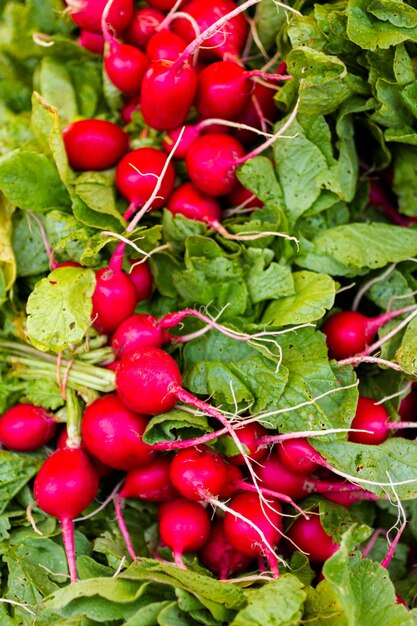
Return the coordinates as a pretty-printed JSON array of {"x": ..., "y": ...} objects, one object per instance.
[
  {"x": 118, "y": 504},
  {"x": 68, "y": 538}
]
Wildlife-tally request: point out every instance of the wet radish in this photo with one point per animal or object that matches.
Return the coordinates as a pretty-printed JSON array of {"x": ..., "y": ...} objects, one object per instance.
[
  {"x": 143, "y": 26},
  {"x": 94, "y": 144},
  {"x": 25, "y": 427}
]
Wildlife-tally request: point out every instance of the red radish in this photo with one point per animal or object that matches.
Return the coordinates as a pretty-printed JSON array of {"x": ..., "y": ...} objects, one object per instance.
[
  {"x": 102, "y": 469},
  {"x": 56, "y": 265},
  {"x": 408, "y": 407},
  {"x": 190, "y": 134},
  {"x": 87, "y": 14},
  {"x": 112, "y": 366},
  {"x": 150, "y": 482},
  {"x": 26, "y": 427},
  {"x": 400, "y": 600},
  {"x": 349, "y": 333},
  {"x": 143, "y": 26},
  {"x": 212, "y": 161},
  {"x": 163, "y": 5},
  {"x": 184, "y": 526},
  {"x": 167, "y": 94},
  {"x": 244, "y": 537},
  {"x": 136, "y": 176},
  {"x": 260, "y": 112},
  {"x": 294, "y": 454},
  {"x": 142, "y": 279},
  {"x": 220, "y": 557},
  {"x": 131, "y": 105},
  {"x": 65, "y": 485},
  {"x": 125, "y": 66},
  {"x": 94, "y": 42},
  {"x": 148, "y": 381},
  {"x": 113, "y": 434},
  {"x": 114, "y": 299},
  {"x": 225, "y": 41},
  {"x": 224, "y": 90},
  {"x": 241, "y": 196},
  {"x": 188, "y": 201},
  {"x": 372, "y": 417},
  {"x": 378, "y": 196},
  {"x": 309, "y": 536},
  {"x": 94, "y": 144},
  {"x": 248, "y": 436},
  {"x": 165, "y": 45},
  {"x": 234, "y": 477},
  {"x": 140, "y": 331},
  {"x": 198, "y": 473},
  {"x": 274, "y": 475}
]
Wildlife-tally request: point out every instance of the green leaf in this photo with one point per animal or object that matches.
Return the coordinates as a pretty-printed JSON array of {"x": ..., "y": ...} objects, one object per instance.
[
  {"x": 96, "y": 189},
  {"x": 362, "y": 247},
  {"x": 394, "y": 461},
  {"x": 28, "y": 246},
  {"x": 16, "y": 471},
  {"x": 57, "y": 89},
  {"x": 406, "y": 355},
  {"x": 370, "y": 33},
  {"x": 44, "y": 393},
  {"x": 175, "y": 424},
  {"x": 279, "y": 603},
  {"x": 322, "y": 606},
  {"x": 314, "y": 294},
  {"x": 31, "y": 182},
  {"x": 64, "y": 322},
  {"x": 7, "y": 258},
  {"x": 363, "y": 588},
  {"x": 405, "y": 179},
  {"x": 258, "y": 175}
]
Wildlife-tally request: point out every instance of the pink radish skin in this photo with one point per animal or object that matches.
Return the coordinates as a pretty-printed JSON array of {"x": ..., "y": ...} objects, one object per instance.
[
  {"x": 224, "y": 90},
  {"x": 249, "y": 435},
  {"x": 165, "y": 45},
  {"x": 274, "y": 475},
  {"x": 220, "y": 557},
  {"x": 348, "y": 333},
  {"x": 293, "y": 453},
  {"x": 240, "y": 195},
  {"x": 189, "y": 136},
  {"x": 309, "y": 536},
  {"x": 113, "y": 434},
  {"x": 227, "y": 41},
  {"x": 136, "y": 176},
  {"x": 184, "y": 527},
  {"x": 230, "y": 486},
  {"x": 197, "y": 473},
  {"x": 125, "y": 66},
  {"x": 142, "y": 279},
  {"x": 131, "y": 105},
  {"x": 212, "y": 161},
  {"x": 167, "y": 94},
  {"x": 373, "y": 417},
  {"x": 94, "y": 42},
  {"x": 188, "y": 201},
  {"x": 148, "y": 381},
  {"x": 162, "y": 5},
  {"x": 150, "y": 482},
  {"x": 140, "y": 331},
  {"x": 143, "y": 26},
  {"x": 245, "y": 538},
  {"x": 89, "y": 17},
  {"x": 25, "y": 427},
  {"x": 114, "y": 299},
  {"x": 103, "y": 470},
  {"x": 260, "y": 110},
  {"x": 94, "y": 144},
  {"x": 66, "y": 484}
]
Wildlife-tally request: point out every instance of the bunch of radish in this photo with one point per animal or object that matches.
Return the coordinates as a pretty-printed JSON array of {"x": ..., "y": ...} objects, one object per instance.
[{"x": 179, "y": 65}]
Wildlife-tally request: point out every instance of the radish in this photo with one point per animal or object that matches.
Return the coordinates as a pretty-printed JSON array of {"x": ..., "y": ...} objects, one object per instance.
[
  {"x": 138, "y": 332},
  {"x": 241, "y": 197},
  {"x": 136, "y": 178},
  {"x": 143, "y": 26},
  {"x": 165, "y": 45},
  {"x": 244, "y": 537},
  {"x": 294, "y": 455},
  {"x": 87, "y": 14},
  {"x": 189, "y": 135},
  {"x": 94, "y": 144},
  {"x": 125, "y": 66},
  {"x": 163, "y": 5},
  {"x": 102, "y": 469},
  {"x": 184, "y": 526},
  {"x": 188, "y": 201},
  {"x": 168, "y": 91},
  {"x": 151, "y": 483},
  {"x": 114, "y": 298},
  {"x": 113, "y": 433},
  {"x": 224, "y": 90},
  {"x": 274, "y": 475},
  {"x": 348, "y": 333},
  {"x": 227, "y": 40},
  {"x": 132, "y": 104},
  {"x": 142, "y": 279},
  {"x": 197, "y": 473},
  {"x": 25, "y": 427},
  {"x": 94, "y": 42},
  {"x": 220, "y": 557},
  {"x": 309, "y": 537},
  {"x": 248, "y": 435},
  {"x": 375, "y": 419},
  {"x": 259, "y": 113},
  {"x": 65, "y": 485}
]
